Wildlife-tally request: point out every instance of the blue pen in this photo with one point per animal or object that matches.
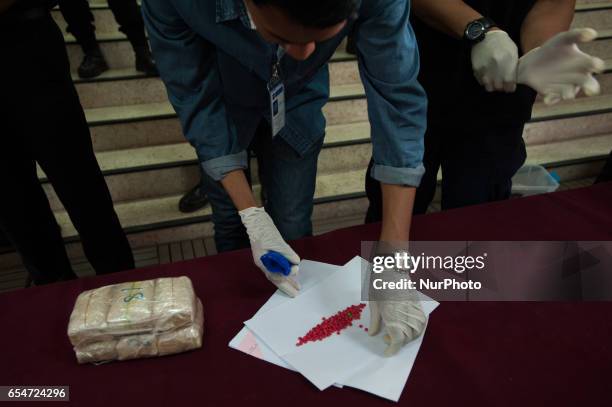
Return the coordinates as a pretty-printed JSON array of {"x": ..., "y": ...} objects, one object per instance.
[{"x": 276, "y": 263}]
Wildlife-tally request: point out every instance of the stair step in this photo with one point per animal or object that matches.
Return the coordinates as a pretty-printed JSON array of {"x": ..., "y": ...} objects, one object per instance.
[
  {"x": 161, "y": 110},
  {"x": 149, "y": 172},
  {"x": 119, "y": 53},
  {"x": 127, "y": 87},
  {"x": 105, "y": 22},
  {"x": 171, "y": 176},
  {"x": 121, "y": 87},
  {"x": 595, "y": 17},
  {"x": 347, "y": 104},
  {"x": 161, "y": 212},
  {"x": 583, "y": 6},
  {"x": 177, "y": 154},
  {"x": 573, "y": 108}
]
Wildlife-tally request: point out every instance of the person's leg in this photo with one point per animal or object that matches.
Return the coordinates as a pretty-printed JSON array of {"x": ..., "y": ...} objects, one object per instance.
[
  {"x": 479, "y": 165},
  {"x": 80, "y": 24},
  {"x": 61, "y": 143},
  {"x": 80, "y": 20},
  {"x": 289, "y": 181},
  {"x": 128, "y": 16},
  {"x": 25, "y": 215},
  {"x": 27, "y": 219}
]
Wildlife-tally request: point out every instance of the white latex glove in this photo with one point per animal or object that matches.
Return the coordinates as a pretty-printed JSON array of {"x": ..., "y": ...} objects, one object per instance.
[
  {"x": 494, "y": 61},
  {"x": 265, "y": 237},
  {"x": 404, "y": 322},
  {"x": 558, "y": 70}
]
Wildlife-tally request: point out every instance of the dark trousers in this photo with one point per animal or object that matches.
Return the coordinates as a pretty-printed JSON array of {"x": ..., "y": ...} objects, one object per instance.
[
  {"x": 81, "y": 21},
  {"x": 44, "y": 123},
  {"x": 477, "y": 167}
]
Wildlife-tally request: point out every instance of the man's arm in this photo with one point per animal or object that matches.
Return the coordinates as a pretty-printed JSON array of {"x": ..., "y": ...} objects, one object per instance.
[
  {"x": 448, "y": 16},
  {"x": 397, "y": 108},
  {"x": 546, "y": 19},
  {"x": 239, "y": 190},
  {"x": 397, "y": 212},
  {"x": 188, "y": 68}
]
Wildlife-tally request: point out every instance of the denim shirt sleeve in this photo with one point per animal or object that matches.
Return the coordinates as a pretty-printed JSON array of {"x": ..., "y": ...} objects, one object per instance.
[
  {"x": 187, "y": 65},
  {"x": 397, "y": 104}
]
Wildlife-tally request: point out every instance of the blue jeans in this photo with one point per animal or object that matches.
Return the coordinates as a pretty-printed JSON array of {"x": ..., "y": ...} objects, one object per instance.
[{"x": 288, "y": 183}]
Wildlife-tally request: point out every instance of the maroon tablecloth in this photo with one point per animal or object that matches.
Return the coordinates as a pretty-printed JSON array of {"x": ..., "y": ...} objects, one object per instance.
[{"x": 489, "y": 354}]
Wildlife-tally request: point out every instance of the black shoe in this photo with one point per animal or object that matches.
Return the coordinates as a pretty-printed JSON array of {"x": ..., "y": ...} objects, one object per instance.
[
  {"x": 193, "y": 200},
  {"x": 145, "y": 62},
  {"x": 93, "y": 65}
]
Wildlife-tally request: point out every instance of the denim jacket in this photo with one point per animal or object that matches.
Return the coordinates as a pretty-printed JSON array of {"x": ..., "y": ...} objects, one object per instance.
[{"x": 216, "y": 70}]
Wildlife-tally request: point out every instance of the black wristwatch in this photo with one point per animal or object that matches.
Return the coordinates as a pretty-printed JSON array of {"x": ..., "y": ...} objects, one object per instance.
[{"x": 477, "y": 30}]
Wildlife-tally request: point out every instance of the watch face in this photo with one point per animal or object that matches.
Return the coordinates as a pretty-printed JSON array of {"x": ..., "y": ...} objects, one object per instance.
[{"x": 475, "y": 30}]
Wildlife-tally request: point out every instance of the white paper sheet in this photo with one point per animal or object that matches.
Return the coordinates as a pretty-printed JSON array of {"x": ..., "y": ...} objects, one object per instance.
[
  {"x": 311, "y": 273},
  {"x": 385, "y": 377}
]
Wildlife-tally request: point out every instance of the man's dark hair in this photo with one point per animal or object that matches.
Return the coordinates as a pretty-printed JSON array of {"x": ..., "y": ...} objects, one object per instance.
[{"x": 314, "y": 13}]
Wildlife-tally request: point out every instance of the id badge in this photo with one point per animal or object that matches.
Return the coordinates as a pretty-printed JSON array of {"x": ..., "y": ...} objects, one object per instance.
[{"x": 277, "y": 107}]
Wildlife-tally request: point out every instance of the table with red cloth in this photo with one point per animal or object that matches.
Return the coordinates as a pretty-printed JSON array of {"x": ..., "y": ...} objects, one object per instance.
[{"x": 490, "y": 354}]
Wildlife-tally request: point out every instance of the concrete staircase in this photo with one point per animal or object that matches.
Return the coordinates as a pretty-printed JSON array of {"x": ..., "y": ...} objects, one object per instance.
[{"x": 148, "y": 165}]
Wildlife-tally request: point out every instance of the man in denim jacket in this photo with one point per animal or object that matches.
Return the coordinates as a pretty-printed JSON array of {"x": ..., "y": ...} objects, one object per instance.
[{"x": 222, "y": 61}]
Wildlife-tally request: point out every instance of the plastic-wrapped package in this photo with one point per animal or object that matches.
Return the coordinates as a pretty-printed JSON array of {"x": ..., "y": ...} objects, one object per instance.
[
  {"x": 135, "y": 320},
  {"x": 183, "y": 339},
  {"x": 97, "y": 351},
  {"x": 131, "y": 307},
  {"x": 174, "y": 298},
  {"x": 137, "y": 346}
]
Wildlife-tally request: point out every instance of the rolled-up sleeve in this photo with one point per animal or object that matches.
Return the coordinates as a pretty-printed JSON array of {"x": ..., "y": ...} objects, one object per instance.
[
  {"x": 397, "y": 104},
  {"x": 188, "y": 67}
]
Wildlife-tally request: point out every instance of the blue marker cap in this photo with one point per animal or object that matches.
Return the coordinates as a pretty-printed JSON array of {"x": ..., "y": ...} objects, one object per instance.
[{"x": 276, "y": 263}]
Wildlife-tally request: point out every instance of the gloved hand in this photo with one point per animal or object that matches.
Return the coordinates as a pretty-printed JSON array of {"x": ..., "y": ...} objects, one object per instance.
[
  {"x": 265, "y": 237},
  {"x": 404, "y": 321},
  {"x": 558, "y": 70},
  {"x": 494, "y": 62}
]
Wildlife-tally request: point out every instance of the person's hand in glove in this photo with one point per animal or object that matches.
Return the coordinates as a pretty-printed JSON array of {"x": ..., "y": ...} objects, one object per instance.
[
  {"x": 494, "y": 61},
  {"x": 403, "y": 316},
  {"x": 558, "y": 70},
  {"x": 404, "y": 321},
  {"x": 265, "y": 237}
]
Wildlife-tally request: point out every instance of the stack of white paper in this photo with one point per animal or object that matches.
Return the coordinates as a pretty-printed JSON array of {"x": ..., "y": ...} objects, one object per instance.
[{"x": 351, "y": 358}]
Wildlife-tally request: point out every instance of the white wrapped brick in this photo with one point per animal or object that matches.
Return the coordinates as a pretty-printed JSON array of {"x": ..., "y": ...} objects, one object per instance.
[
  {"x": 136, "y": 319},
  {"x": 96, "y": 352},
  {"x": 175, "y": 302},
  {"x": 137, "y": 346},
  {"x": 131, "y": 308},
  {"x": 183, "y": 339}
]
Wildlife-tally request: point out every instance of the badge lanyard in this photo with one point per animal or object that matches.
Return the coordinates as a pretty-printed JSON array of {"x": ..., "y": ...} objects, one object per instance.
[{"x": 276, "y": 90}]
